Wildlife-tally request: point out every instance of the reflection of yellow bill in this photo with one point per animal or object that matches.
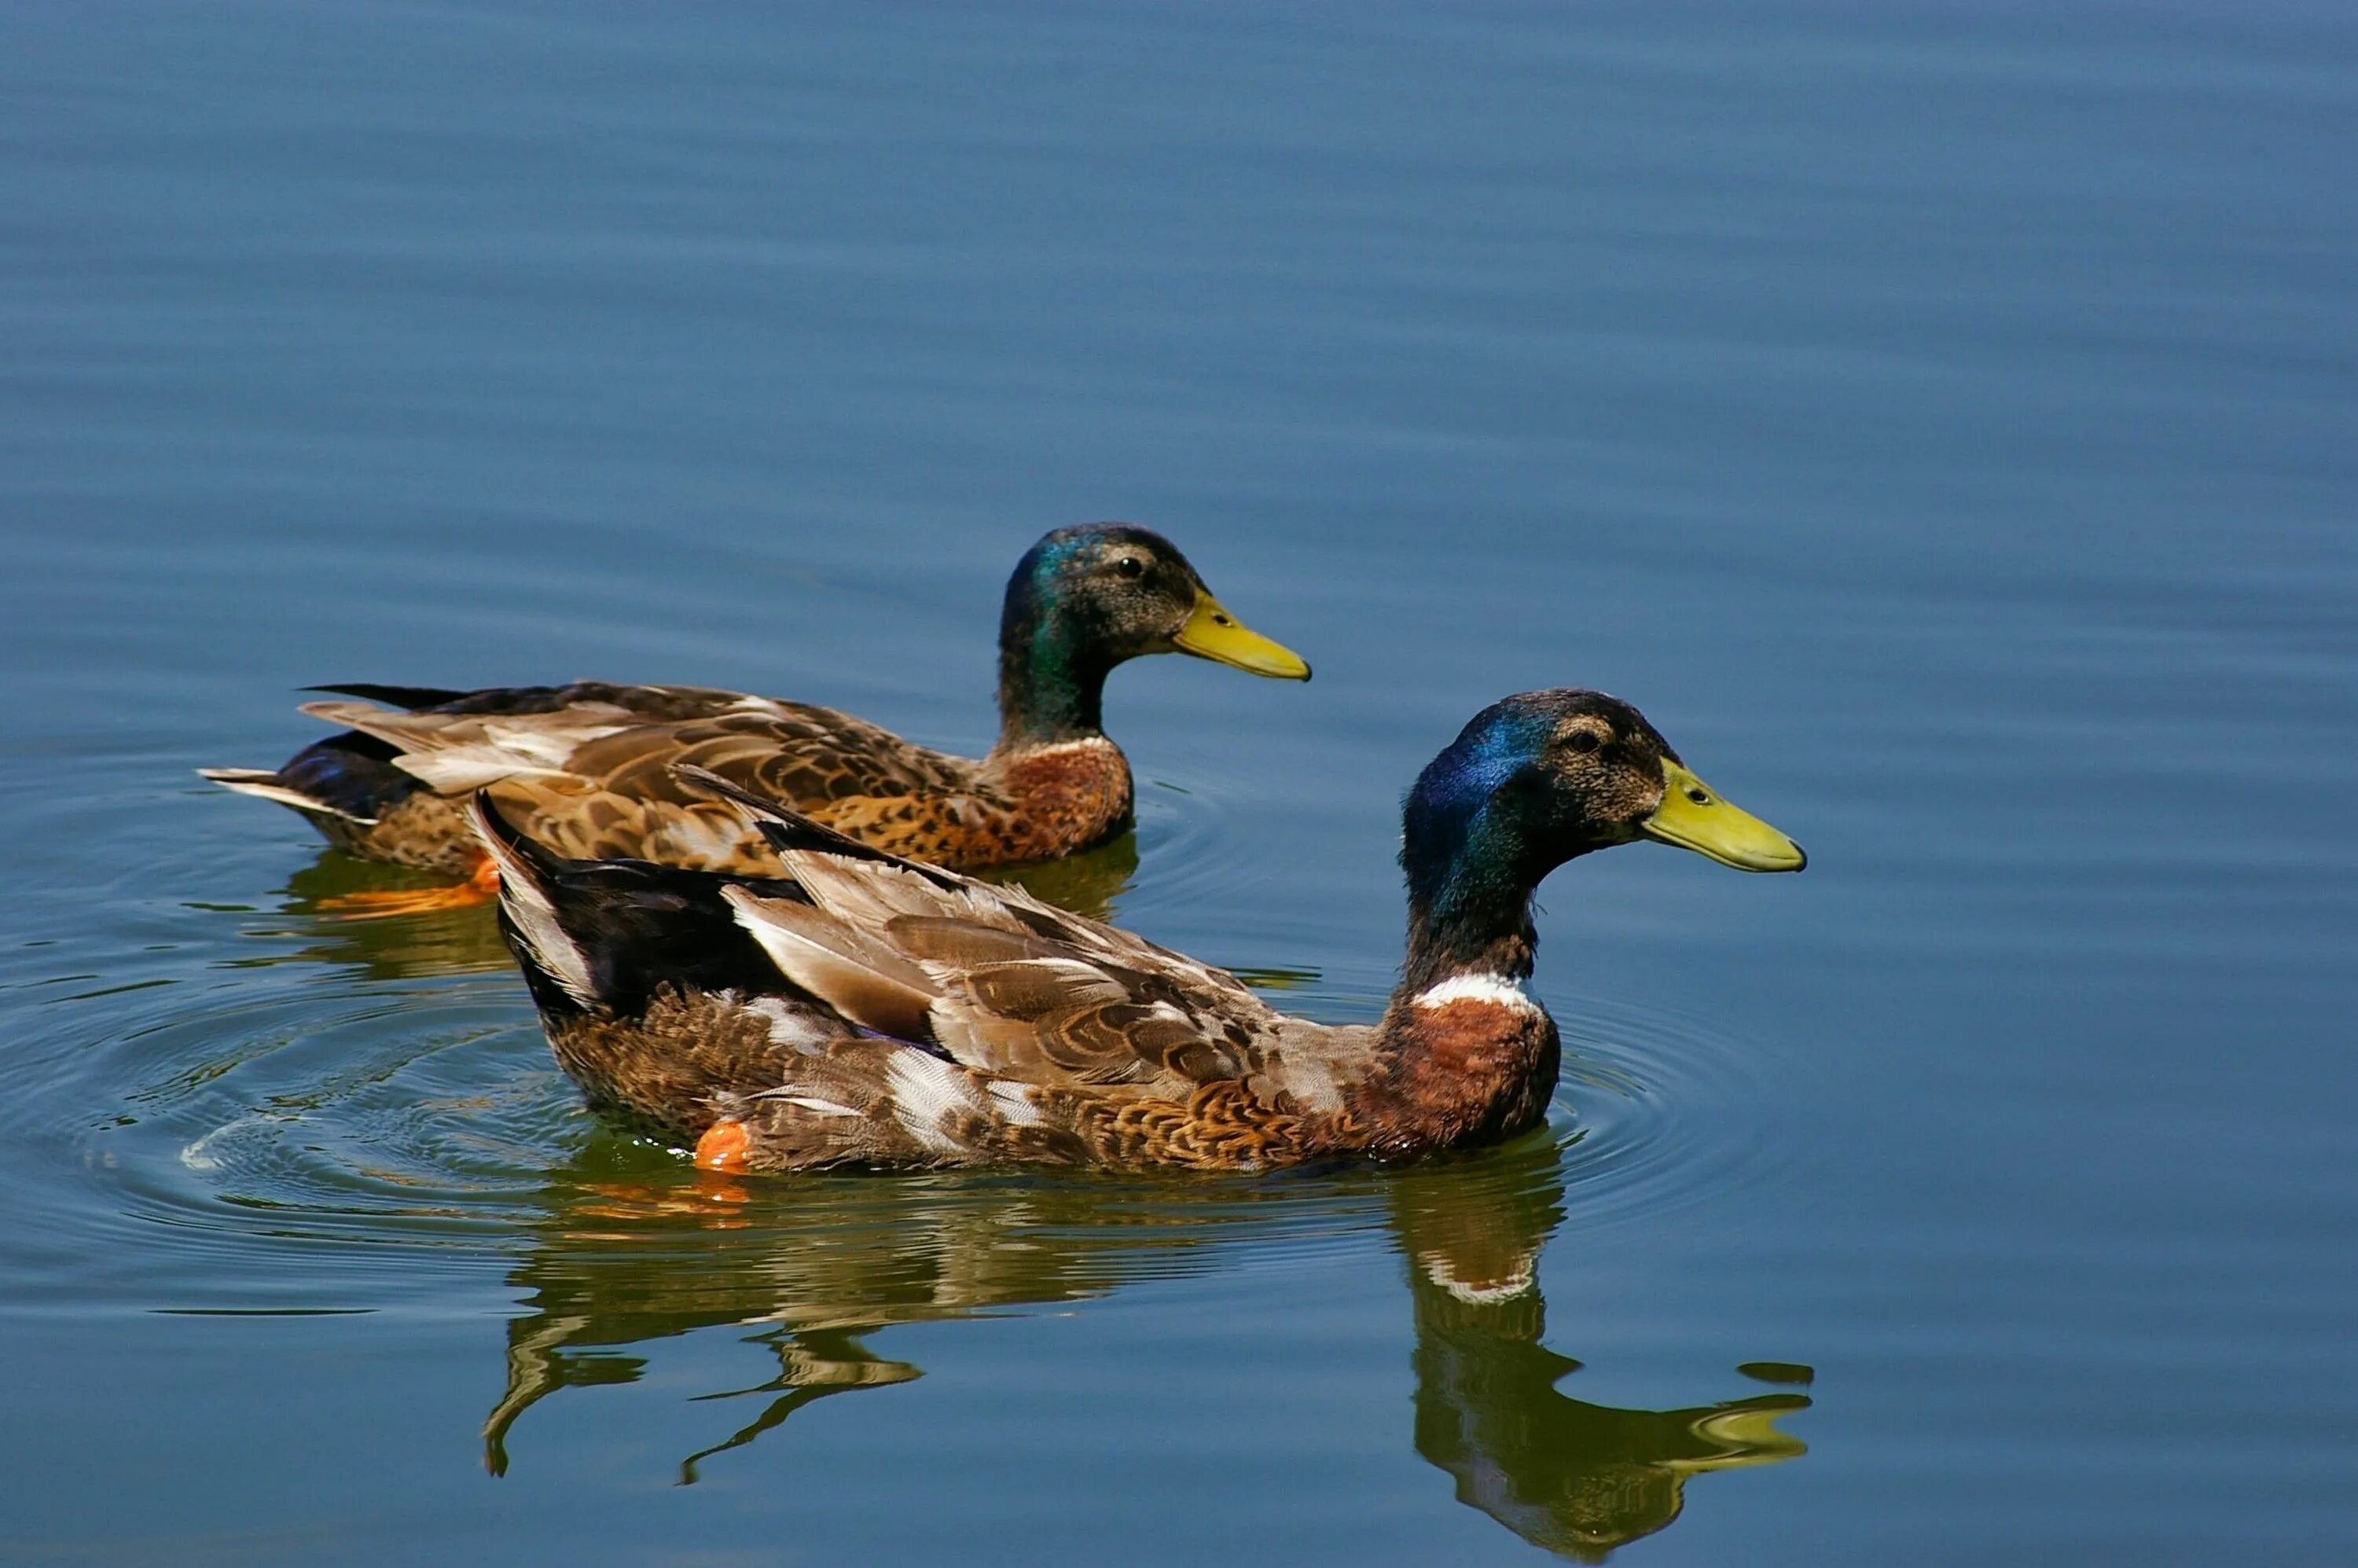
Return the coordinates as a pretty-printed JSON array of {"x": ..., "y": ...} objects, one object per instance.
[
  {"x": 1212, "y": 633},
  {"x": 1693, "y": 817}
]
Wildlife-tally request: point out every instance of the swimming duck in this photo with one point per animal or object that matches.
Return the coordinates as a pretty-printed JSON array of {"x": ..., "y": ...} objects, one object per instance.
[
  {"x": 586, "y": 768},
  {"x": 868, "y": 1010}
]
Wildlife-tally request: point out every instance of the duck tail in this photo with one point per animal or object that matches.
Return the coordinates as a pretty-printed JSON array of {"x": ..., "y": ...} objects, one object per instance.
[
  {"x": 556, "y": 965},
  {"x": 351, "y": 777},
  {"x": 263, "y": 784},
  {"x": 609, "y": 935},
  {"x": 654, "y": 998}
]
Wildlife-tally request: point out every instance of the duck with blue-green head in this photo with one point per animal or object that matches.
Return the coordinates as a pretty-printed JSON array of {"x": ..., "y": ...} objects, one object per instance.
[
  {"x": 586, "y": 769},
  {"x": 866, "y": 1010}
]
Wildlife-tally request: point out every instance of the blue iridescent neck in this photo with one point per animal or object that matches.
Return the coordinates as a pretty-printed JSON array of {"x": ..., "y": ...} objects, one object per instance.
[
  {"x": 1471, "y": 867},
  {"x": 1052, "y": 672}
]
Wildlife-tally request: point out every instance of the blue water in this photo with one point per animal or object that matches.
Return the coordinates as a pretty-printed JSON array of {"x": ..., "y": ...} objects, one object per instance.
[{"x": 1938, "y": 418}]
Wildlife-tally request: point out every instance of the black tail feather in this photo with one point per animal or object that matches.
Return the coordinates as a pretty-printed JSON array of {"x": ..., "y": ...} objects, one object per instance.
[
  {"x": 499, "y": 834},
  {"x": 410, "y": 697},
  {"x": 632, "y": 927}
]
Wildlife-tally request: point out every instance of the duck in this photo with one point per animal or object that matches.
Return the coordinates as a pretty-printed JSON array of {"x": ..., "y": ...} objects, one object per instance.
[
  {"x": 866, "y": 1010},
  {"x": 586, "y": 767}
]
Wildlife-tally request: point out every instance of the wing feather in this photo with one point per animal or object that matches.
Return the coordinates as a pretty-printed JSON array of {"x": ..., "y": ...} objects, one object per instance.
[
  {"x": 1019, "y": 990},
  {"x": 861, "y": 977}
]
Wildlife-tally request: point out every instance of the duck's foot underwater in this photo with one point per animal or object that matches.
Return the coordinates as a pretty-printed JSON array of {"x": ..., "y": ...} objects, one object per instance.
[
  {"x": 723, "y": 1147},
  {"x": 481, "y": 886}
]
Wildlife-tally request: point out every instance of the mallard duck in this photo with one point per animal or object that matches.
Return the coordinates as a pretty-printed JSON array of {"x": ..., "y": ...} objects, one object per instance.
[
  {"x": 868, "y": 1010},
  {"x": 586, "y": 768}
]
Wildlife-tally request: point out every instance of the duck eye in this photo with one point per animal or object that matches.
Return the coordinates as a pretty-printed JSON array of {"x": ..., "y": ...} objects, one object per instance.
[
  {"x": 1583, "y": 740},
  {"x": 1131, "y": 566}
]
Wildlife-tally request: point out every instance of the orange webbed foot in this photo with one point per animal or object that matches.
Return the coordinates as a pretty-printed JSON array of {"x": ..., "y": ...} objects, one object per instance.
[
  {"x": 722, "y": 1148},
  {"x": 481, "y": 886}
]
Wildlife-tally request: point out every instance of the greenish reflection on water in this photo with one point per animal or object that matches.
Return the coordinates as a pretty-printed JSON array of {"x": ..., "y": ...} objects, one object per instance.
[{"x": 814, "y": 1268}]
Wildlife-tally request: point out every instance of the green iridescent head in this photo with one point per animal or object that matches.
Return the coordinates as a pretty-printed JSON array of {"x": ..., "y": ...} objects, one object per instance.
[{"x": 1085, "y": 599}]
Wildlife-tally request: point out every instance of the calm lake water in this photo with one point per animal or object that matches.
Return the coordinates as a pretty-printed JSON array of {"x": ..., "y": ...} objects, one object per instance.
[{"x": 1939, "y": 418}]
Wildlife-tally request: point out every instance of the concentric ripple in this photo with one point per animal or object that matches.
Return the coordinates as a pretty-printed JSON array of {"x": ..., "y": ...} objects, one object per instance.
[
  {"x": 287, "y": 1132},
  {"x": 1658, "y": 1110},
  {"x": 241, "y": 1103}
]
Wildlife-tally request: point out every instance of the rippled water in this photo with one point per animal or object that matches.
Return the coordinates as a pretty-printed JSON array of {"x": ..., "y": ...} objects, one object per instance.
[{"x": 1938, "y": 419}]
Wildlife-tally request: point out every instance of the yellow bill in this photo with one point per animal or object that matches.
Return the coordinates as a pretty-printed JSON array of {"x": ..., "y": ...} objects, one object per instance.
[
  {"x": 1693, "y": 816},
  {"x": 1212, "y": 633}
]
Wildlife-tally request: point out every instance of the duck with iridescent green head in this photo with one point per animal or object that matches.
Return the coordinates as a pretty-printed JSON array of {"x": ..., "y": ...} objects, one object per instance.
[{"x": 586, "y": 769}]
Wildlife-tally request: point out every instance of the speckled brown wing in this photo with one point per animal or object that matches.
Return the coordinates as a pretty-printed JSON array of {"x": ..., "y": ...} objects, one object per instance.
[
  {"x": 787, "y": 751},
  {"x": 577, "y": 818},
  {"x": 593, "y": 778},
  {"x": 806, "y": 756},
  {"x": 617, "y": 795},
  {"x": 1012, "y": 988}
]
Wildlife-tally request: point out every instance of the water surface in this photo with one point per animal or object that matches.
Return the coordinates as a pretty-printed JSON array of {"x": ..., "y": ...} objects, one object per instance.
[{"x": 1937, "y": 418}]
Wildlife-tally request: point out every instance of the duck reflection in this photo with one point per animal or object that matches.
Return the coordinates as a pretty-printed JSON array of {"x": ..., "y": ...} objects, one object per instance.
[
  {"x": 819, "y": 1264},
  {"x": 1575, "y": 1479},
  {"x": 467, "y": 940},
  {"x": 437, "y": 942},
  {"x": 1088, "y": 883}
]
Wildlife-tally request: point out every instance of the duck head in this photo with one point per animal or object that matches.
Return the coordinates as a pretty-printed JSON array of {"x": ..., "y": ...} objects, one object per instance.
[
  {"x": 1532, "y": 782},
  {"x": 1084, "y": 600}
]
